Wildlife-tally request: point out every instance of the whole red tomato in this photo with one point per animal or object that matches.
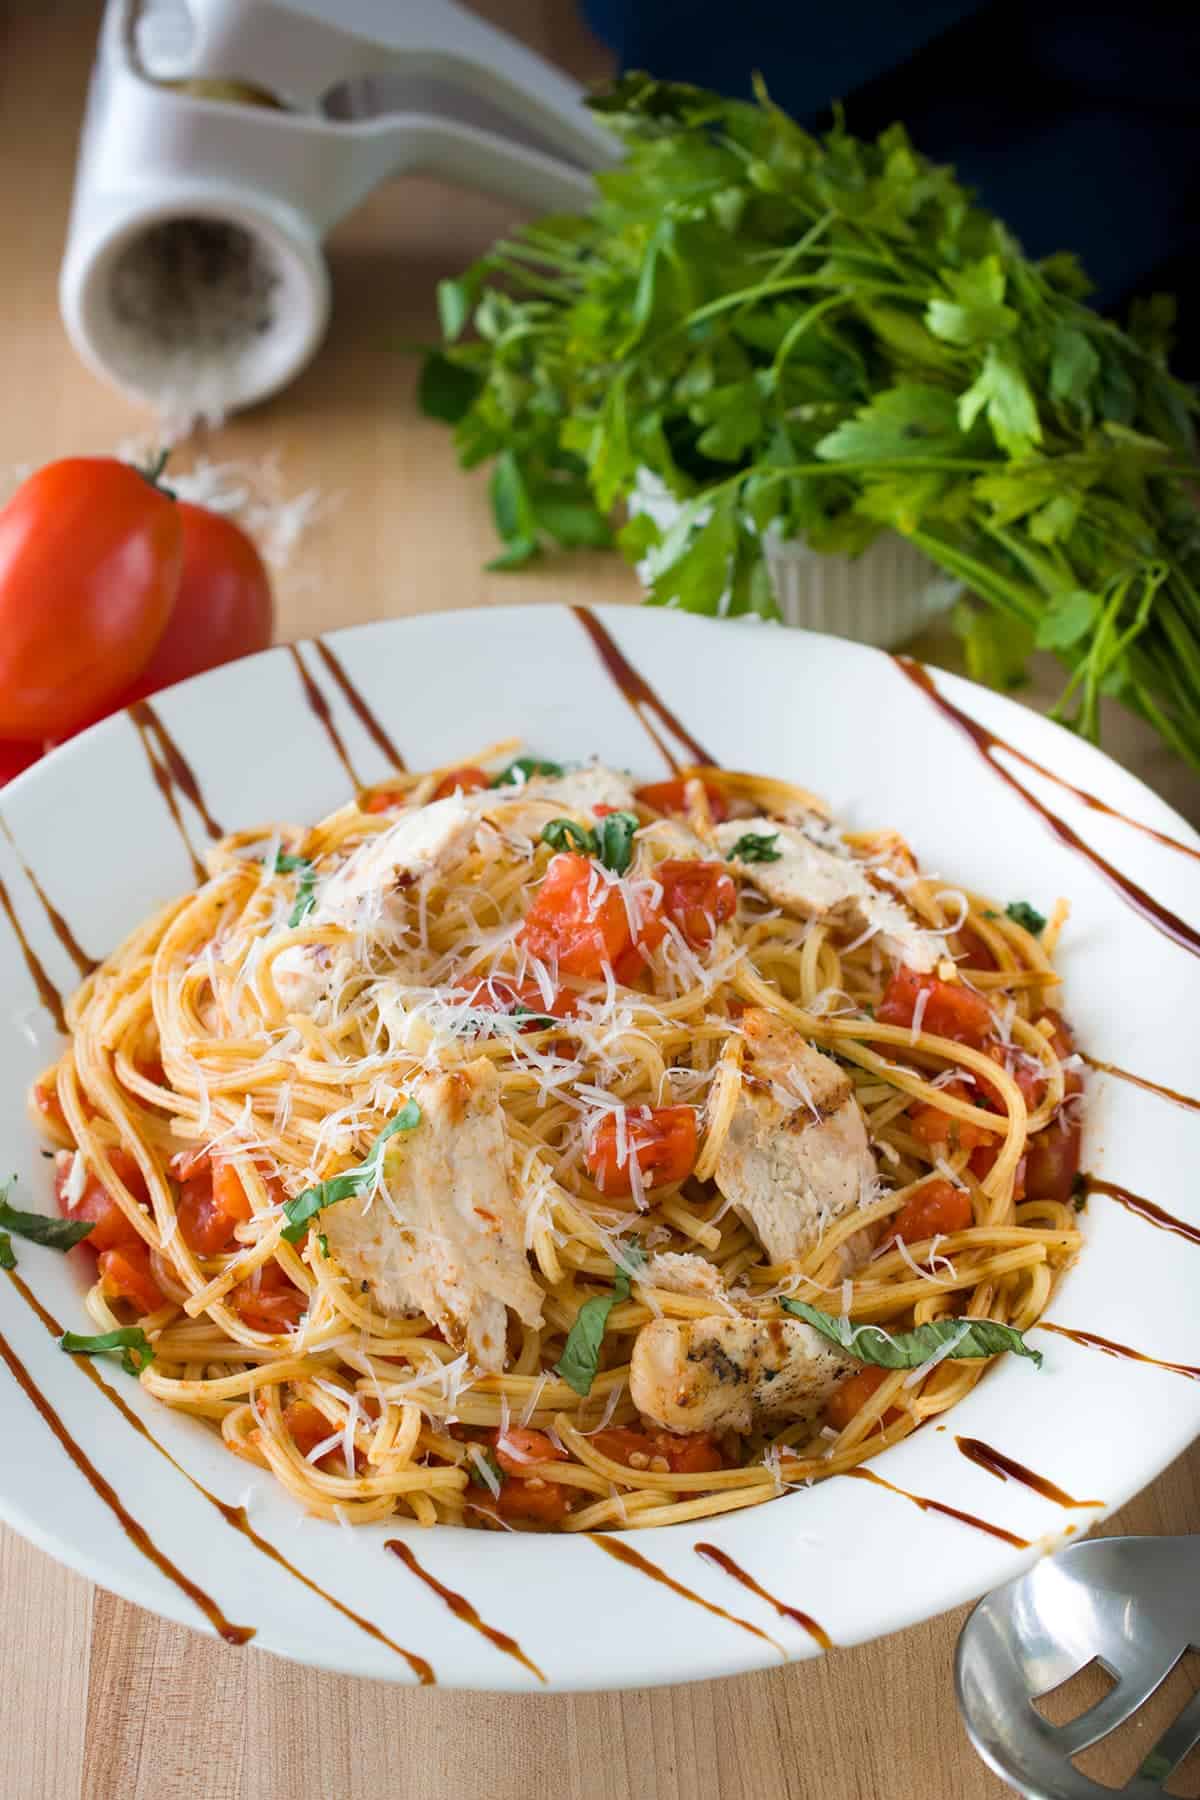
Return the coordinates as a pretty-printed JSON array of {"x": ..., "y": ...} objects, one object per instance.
[
  {"x": 90, "y": 557},
  {"x": 223, "y": 608}
]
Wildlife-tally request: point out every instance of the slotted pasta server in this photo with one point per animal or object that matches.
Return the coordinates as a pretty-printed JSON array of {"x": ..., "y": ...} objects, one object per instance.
[{"x": 1130, "y": 1603}]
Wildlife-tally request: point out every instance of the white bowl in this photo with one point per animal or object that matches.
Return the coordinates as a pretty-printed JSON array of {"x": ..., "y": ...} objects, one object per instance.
[
  {"x": 884, "y": 596},
  {"x": 92, "y": 824}
]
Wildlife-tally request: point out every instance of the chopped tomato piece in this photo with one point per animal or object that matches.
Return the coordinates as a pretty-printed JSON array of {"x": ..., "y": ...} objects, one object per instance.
[
  {"x": 851, "y": 1395},
  {"x": 212, "y": 1203},
  {"x": 698, "y": 896},
  {"x": 383, "y": 800},
  {"x": 545, "y": 1501},
  {"x": 45, "y": 1098},
  {"x": 1053, "y": 1160},
  {"x": 671, "y": 797},
  {"x": 500, "y": 995},
  {"x": 518, "y": 1447},
  {"x": 664, "y": 1144},
  {"x": 306, "y": 1425},
  {"x": 111, "y": 1229},
  {"x": 125, "y": 1274},
  {"x": 983, "y": 1161},
  {"x": 937, "y": 1208},
  {"x": 462, "y": 781},
  {"x": 951, "y": 1011},
  {"x": 685, "y": 1453},
  {"x": 268, "y": 1301},
  {"x": 978, "y": 954},
  {"x": 933, "y": 1126},
  {"x": 578, "y": 920}
]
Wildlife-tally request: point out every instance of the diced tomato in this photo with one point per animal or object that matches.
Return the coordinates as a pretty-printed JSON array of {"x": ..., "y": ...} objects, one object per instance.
[
  {"x": 933, "y": 1126},
  {"x": 1053, "y": 1160},
  {"x": 518, "y": 1447},
  {"x": 305, "y": 1425},
  {"x": 125, "y": 1274},
  {"x": 978, "y": 954},
  {"x": 543, "y": 1501},
  {"x": 151, "y": 1069},
  {"x": 937, "y": 1208},
  {"x": 685, "y": 1453},
  {"x": 663, "y": 1143},
  {"x": 500, "y": 995},
  {"x": 983, "y": 1160},
  {"x": 111, "y": 1229},
  {"x": 212, "y": 1203},
  {"x": 850, "y": 1396},
  {"x": 268, "y": 1301},
  {"x": 45, "y": 1098},
  {"x": 462, "y": 781},
  {"x": 671, "y": 797},
  {"x": 698, "y": 896},
  {"x": 578, "y": 920},
  {"x": 951, "y": 1011}
]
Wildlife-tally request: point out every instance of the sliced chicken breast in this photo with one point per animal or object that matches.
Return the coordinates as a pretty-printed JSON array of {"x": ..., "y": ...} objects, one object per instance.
[
  {"x": 365, "y": 894},
  {"x": 812, "y": 882},
  {"x": 447, "y": 1238},
  {"x": 683, "y": 1272},
  {"x": 796, "y": 1158},
  {"x": 728, "y": 1373}
]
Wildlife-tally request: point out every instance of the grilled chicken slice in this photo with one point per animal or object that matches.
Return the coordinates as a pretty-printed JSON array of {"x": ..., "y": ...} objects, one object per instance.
[
  {"x": 727, "y": 1373},
  {"x": 447, "y": 1237},
  {"x": 365, "y": 894},
  {"x": 796, "y": 1158},
  {"x": 811, "y": 882}
]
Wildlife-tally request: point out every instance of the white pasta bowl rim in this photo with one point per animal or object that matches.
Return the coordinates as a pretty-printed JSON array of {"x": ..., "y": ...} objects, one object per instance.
[{"x": 91, "y": 823}]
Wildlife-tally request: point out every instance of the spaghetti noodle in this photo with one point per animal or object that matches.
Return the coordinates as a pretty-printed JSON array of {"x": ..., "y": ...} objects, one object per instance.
[{"x": 415, "y": 1140}]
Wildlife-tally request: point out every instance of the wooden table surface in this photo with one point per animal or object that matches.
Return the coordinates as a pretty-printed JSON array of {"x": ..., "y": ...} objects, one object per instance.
[{"x": 99, "y": 1699}]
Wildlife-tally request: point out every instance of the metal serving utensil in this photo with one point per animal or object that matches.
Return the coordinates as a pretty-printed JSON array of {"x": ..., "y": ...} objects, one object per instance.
[{"x": 1130, "y": 1603}]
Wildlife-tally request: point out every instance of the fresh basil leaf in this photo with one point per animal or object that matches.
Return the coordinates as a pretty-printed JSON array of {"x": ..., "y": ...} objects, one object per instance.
[
  {"x": 581, "y": 1352},
  {"x": 475, "y": 1473},
  {"x": 614, "y": 840},
  {"x": 8, "y": 1256},
  {"x": 131, "y": 1342},
  {"x": 565, "y": 834},
  {"x": 54, "y": 1234},
  {"x": 972, "y": 1338},
  {"x": 360, "y": 1180},
  {"x": 523, "y": 768},
  {"x": 756, "y": 847},
  {"x": 286, "y": 864},
  {"x": 1021, "y": 913},
  {"x": 323, "y": 1244},
  {"x": 541, "y": 1020}
]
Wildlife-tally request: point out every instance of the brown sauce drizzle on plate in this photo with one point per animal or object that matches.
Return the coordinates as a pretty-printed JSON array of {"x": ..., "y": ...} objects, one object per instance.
[
  {"x": 357, "y": 702},
  {"x": 48, "y": 994},
  {"x": 166, "y": 787},
  {"x": 461, "y": 1607},
  {"x": 1004, "y": 1468},
  {"x": 319, "y": 706},
  {"x": 723, "y": 1560},
  {"x": 985, "y": 741},
  {"x": 178, "y": 767},
  {"x": 1090, "y": 1340},
  {"x": 634, "y": 1559},
  {"x": 234, "y": 1516},
  {"x": 938, "y": 1506},
  {"x": 1151, "y": 1087},
  {"x": 1144, "y": 1209},
  {"x": 62, "y": 931},
  {"x": 640, "y": 695},
  {"x": 137, "y": 1534}
]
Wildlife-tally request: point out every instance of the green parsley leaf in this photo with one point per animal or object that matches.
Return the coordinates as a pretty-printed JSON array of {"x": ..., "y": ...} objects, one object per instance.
[
  {"x": 446, "y": 390},
  {"x": 54, "y": 1234},
  {"x": 131, "y": 1342},
  {"x": 359, "y": 1180},
  {"x": 8, "y": 1256},
  {"x": 755, "y": 847},
  {"x": 305, "y": 897},
  {"x": 581, "y": 1352},
  {"x": 1021, "y": 913},
  {"x": 971, "y": 1338},
  {"x": 523, "y": 768},
  {"x": 565, "y": 834},
  {"x": 905, "y": 421},
  {"x": 1068, "y": 618}
]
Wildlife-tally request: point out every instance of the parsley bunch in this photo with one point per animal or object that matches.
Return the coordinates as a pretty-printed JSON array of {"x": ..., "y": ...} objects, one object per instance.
[{"x": 828, "y": 339}]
